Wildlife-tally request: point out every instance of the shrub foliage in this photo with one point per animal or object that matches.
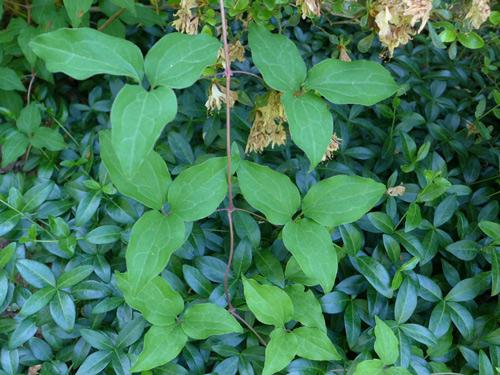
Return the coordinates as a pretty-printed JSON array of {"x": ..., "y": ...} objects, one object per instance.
[{"x": 249, "y": 187}]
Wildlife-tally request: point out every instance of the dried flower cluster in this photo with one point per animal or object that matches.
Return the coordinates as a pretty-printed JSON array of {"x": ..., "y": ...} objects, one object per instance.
[
  {"x": 478, "y": 13},
  {"x": 309, "y": 8},
  {"x": 396, "y": 191},
  {"x": 185, "y": 21},
  {"x": 267, "y": 128},
  {"x": 332, "y": 147},
  {"x": 217, "y": 96},
  {"x": 397, "y": 20},
  {"x": 236, "y": 53}
]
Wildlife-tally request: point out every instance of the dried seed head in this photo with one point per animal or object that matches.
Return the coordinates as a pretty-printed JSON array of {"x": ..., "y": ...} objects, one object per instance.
[
  {"x": 332, "y": 147},
  {"x": 267, "y": 128},
  {"x": 396, "y": 191},
  {"x": 478, "y": 13}
]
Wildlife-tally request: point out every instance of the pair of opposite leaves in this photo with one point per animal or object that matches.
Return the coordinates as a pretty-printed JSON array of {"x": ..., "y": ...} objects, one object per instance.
[{"x": 177, "y": 60}]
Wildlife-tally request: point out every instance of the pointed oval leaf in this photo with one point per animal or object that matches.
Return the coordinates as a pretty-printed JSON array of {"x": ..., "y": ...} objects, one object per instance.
[
  {"x": 268, "y": 191},
  {"x": 95, "y": 363},
  {"x": 153, "y": 239},
  {"x": 310, "y": 123},
  {"x": 158, "y": 302},
  {"x": 161, "y": 345},
  {"x": 356, "y": 82},
  {"x": 199, "y": 190},
  {"x": 63, "y": 311},
  {"x": 375, "y": 274},
  {"x": 341, "y": 199},
  {"x": 270, "y": 304},
  {"x": 37, "y": 301},
  {"x": 277, "y": 58},
  {"x": 82, "y": 53},
  {"x": 386, "y": 342},
  {"x": 150, "y": 182},
  {"x": 36, "y": 273},
  {"x": 177, "y": 60},
  {"x": 312, "y": 247},
  {"x": 314, "y": 344},
  {"x": 280, "y": 351},
  {"x": 203, "y": 320},
  {"x": 306, "y": 307},
  {"x": 137, "y": 120}
]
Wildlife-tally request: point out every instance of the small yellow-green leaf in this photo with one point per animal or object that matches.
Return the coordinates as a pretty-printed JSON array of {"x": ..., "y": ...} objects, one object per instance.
[{"x": 386, "y": 343}]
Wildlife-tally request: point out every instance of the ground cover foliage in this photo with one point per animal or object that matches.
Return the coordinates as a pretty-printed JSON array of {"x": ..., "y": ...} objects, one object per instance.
[{"x": 358, "y": 232}]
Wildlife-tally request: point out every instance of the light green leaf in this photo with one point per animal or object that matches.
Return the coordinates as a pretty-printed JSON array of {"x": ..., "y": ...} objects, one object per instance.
[
  {"x": 157, "y": 301},
  {"x": 341, "y": 199},
  {"x": 491, "y": 229},
  {"x": 13, "y": 147},
  {"x": 150, "y": 183},
  {"x": 277, "y": 58},
  {"x": 76, "y": 9},
  {"x": 153, "y": 239},
  {"x": 312, "y": 248},
  {"x": 268, "y": 191},
  {"x": 356, "y": 82},
  {"x": 306, "y": 307},
  {"x": 161, "y": 345},
  {"x": 203, "y": 320},
  {"x": 137, "y": 120},
  {"x": 48, "y": 138},
  {"x": 386, "y": 343},
  {"x": 280, "y": 351},
  {"x": 314, "y": 344},
  {"x": 199, "y": 190},
  {"x": 82, "y": 53},
  {"x": 375, "y": 274},
  {"x": 9, "y": 80},
  {"x": 270, "y": 304},
  {"x": 310, "y": 123},
  {"x": 127, "y": 4},
  {"x": 177, "y": 60},
  {"x": 29, "y": 119},
  {"x": 471, "y": 40},
  {"x": 370, "y": 367}
]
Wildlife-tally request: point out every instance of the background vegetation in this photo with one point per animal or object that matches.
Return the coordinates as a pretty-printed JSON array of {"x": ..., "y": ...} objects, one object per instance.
[{"x": 425, "y": 260}]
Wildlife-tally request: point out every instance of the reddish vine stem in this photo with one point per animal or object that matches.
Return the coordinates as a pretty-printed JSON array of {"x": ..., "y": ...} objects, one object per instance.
[
  {"x": 227, "y": 73},
  {"x": 231, "y": 208}
]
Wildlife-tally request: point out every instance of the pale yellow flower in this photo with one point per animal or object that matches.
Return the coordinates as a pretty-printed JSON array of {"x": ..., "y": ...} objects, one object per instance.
[{"x": 217, "y": 96}]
